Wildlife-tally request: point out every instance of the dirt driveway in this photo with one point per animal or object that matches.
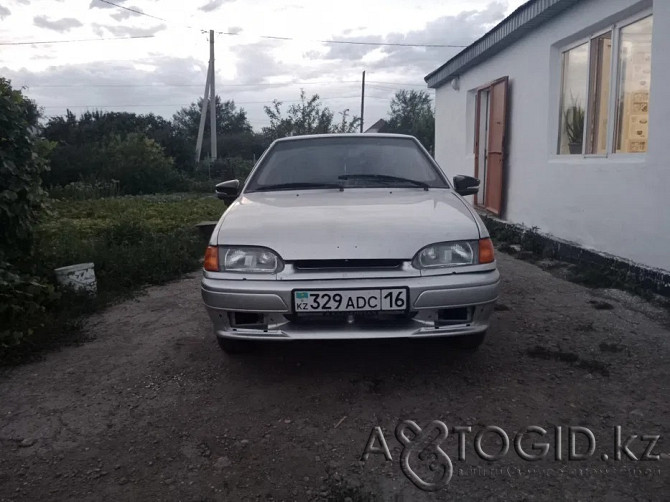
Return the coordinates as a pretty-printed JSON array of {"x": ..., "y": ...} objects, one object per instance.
[{"x": 151, "y": 409}]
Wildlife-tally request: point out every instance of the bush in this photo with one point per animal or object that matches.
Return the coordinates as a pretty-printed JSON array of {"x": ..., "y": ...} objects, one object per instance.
[
  {"x": 72, "y": 163},
  {"x": 81, "y": 190},
  {"x": 34, "y": 317},
  {"x": 133, "y": 242},
  {"x": 130, "y": 255},
  {"x": 139, "y": 164},
  {"x": 22, "y": 198},
  {"x": 201, "y": 186},
  {"x": 22, "y": 300},
  {"x": 127, "y": 255}
]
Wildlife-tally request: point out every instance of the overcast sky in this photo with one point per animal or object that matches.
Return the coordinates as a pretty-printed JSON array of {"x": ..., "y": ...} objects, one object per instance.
[{"x": 162, "y": 73}]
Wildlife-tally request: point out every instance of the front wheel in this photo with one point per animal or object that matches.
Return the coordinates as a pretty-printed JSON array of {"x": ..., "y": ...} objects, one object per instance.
[
  {"x": 468, "y": 342},
  {"x": 231, "y": 346}
]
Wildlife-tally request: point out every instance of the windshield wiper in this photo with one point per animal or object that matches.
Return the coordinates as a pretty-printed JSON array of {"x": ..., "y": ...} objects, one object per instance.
[
  {"x": 384, "y": 177},
  {"x": 293, "y": 186}
]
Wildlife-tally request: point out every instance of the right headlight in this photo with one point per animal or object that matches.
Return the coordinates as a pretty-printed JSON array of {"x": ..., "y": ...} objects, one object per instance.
[
  {"x": 242, "y": 259},
  {"x": 454, "y": 254},
  {"x": 250, "y": 259}
]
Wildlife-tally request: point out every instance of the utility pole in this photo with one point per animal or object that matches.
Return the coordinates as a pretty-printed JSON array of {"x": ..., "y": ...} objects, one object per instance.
[
  {"x": 212, "y": 99},
  {"x": 362, "y": 100},
  {"x": 209, "y": 97},
  {"x": 203, "y": 115}
]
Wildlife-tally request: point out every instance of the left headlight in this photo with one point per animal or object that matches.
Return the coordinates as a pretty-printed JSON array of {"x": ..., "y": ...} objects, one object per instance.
[
  {"x": 249, "y": 260},
  {"x": 447, "y": 254}
]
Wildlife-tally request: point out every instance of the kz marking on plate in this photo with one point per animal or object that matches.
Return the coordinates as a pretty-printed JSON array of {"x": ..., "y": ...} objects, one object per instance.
[{"x": 350, "y": 300}]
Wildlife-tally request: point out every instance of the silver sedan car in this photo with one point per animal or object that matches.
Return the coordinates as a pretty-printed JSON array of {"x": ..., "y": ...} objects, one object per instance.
[{"x": 349, "y": 236}]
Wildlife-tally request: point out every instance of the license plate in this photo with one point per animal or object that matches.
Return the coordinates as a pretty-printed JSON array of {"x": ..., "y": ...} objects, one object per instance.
[{"x": 351, "y": 300}]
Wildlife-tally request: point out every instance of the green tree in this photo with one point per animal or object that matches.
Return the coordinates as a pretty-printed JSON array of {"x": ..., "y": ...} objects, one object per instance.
[
  {"x": 234, "y": 135},
  {"x": 22, "y": 198},
  {"x": 412, "y": 113},
  {"x": 76, "y": 139},
  {"x": 138, "y": 163},
  {"x": 308, "y": 116},
  {"x": 247, "y": 145},
  {"x": 229, "y": 120},
  {"x": 22, "y": 201}
]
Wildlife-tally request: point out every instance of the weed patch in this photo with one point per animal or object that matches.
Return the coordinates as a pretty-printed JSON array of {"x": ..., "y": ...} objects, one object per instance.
[{"x": 133, "y": 242}]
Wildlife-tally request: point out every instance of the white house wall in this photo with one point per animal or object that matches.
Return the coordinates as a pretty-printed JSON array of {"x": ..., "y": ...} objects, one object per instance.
[{"x": 619, "y": 205}]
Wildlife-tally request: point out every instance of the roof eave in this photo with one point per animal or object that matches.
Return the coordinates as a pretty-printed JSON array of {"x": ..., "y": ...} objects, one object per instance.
[{"x": 521, "y": 22}]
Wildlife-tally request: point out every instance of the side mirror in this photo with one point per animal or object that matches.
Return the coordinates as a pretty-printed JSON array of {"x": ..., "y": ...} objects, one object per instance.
[
  {"x": 228, "y": 191},
  {"x": 466, "y": 185}
]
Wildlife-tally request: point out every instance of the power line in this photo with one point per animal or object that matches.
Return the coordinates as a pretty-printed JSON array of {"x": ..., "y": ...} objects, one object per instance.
[
  {"x": 396, "y": 83},
  {"x": 84, "y": 86},
  {"x": 353, "y": 42},
  {"x": 163, "y": 84},
  {"x": 347, "y": 42},
  {"x": 269, "y": 37},
  {"x": 77, "y": 40},
  {"x": 272, "y": 37},
  {"x": 134, "y": 10},
  {"x": 149, "y": 105},
  {"x": 384, "y": 87},
  {"x": 377, "y": 84}
]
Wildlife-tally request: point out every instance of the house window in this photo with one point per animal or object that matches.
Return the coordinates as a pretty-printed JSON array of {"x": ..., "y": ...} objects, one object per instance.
[
  {"x": 632, "y": 125},
  {"x": 599, "y": 94},
  {"x": 575, "y": 76},
  {"x": 607, "y": 75}
]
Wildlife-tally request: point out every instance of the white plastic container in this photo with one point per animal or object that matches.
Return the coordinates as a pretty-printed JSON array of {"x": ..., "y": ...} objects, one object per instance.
[{"x": 80, "y": 277}]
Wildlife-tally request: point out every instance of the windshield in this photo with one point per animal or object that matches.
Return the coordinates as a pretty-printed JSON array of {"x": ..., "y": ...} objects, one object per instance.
[{"x": 346, "y": 162}]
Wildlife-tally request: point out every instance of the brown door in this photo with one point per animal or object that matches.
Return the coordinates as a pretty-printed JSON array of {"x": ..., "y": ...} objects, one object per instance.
[{"x": 490, "y": 122}]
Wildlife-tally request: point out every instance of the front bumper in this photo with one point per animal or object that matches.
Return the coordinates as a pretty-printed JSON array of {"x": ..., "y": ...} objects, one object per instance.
[{"x": 427, "y": 295}]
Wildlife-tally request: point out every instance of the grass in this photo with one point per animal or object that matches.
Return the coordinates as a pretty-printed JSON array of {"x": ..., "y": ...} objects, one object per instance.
[{"x": 133, "y": 241}]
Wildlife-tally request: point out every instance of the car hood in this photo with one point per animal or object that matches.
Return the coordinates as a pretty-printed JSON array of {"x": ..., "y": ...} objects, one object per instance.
[{"x": 353, "y": 224}]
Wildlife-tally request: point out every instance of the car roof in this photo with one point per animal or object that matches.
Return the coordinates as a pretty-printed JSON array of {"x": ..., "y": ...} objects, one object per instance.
[{"x": 344, "y": 135}]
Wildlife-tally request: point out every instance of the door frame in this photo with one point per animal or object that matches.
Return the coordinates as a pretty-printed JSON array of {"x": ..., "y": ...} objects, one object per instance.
[{"x": 478, "y": 93}]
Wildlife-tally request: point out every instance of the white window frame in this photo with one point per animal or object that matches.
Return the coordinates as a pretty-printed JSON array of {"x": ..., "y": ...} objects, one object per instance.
[{"x": 614, "y": 88}]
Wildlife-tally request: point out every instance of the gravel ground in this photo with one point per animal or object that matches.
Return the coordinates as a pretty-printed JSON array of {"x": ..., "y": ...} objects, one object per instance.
[{"x": 151, "y": 409}]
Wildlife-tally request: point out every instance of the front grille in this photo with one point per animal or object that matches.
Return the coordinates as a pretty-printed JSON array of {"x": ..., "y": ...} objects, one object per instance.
[{"x": 382, "y": 264}]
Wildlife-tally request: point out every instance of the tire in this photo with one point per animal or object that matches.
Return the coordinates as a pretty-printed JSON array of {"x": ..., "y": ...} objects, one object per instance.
[
  {"x": 231, "y": 346},
  {"x": 468, "y": 342}
]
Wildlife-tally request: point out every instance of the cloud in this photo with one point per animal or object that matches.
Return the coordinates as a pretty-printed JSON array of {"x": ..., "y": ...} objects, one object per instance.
[
  {"x": 211, "y": 5},
  {"x": 61, "y": 25},
  {"x": 256, "y": 62},
  {"x": 163, "y": 84},
  {"x": 127, "y": 31},
  {"x": 120, "y": 14},
  {"x": 4, "y": 12},
  {"x": 461, "y": 29},
  {"x": 97, "y": 4},
  {"x": 125, "y": 14},
  {"x": 144, "y": 85},
  {"x": 102, "y": 85}
]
